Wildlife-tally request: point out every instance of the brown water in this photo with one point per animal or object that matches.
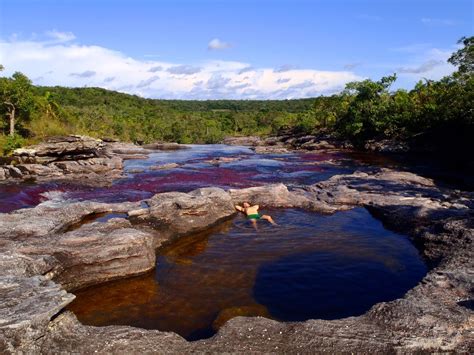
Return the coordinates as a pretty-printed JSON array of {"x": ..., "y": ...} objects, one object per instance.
[{"x": 310, "y": 266}]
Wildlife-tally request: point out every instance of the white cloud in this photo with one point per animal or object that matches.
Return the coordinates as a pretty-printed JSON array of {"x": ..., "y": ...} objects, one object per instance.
[
  {"x": 57, "y": 36},
  {"x": 217, "y": 44},
  {"x": 69, "y": 63}
]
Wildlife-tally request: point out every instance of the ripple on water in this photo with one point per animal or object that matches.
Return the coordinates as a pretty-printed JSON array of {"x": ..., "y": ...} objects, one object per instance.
[{"x": 309, "y": 266}]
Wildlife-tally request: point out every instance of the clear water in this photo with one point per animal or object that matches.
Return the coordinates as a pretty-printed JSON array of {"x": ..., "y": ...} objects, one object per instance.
[{"x": 309, "y": 266}]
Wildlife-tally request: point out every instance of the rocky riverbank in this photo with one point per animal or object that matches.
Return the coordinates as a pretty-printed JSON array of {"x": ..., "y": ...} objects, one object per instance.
[
  {"x": 60, "y": 246},
  {"x": 75, "y": 158},
  {"x": 286, "y": 142}
]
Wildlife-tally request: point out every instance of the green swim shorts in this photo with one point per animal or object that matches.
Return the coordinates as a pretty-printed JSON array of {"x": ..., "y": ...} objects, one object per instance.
[{"x": 253, "y": 216}]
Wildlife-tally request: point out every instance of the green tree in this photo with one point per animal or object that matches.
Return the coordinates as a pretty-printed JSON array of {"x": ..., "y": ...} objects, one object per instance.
[
  {"x": 16, "y": 98},
  {"x": 464, "y": 57}
]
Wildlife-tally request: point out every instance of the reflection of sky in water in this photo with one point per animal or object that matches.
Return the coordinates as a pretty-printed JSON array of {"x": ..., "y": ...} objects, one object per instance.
[
  {"x": 197, "y": 167},
  {"x": 309, "y": 266}
]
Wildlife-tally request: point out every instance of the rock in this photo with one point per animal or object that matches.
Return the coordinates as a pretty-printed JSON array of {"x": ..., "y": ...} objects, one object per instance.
[
  {"x": 164, "y": 166},
  {"x": 28, "y": 304},
  {"x": 272, "y": 149},
  {"x": 244, "y": 311},
  {"x": 14, "y": 172},
  {"x": 245, "y": 141},
  {"x": 222, "y": 160},
  {"x": 165, "y": 146},
  {"x": 62, "y": 158},
  {"x": 101, "y": 252},
  {"x": 321, "y": 145},
  {"x": 387, "y": 146},
  {"x": 127, "y": 149},
  {"x": 177, "y": 213},
  {"x": 60, "y": 148}
]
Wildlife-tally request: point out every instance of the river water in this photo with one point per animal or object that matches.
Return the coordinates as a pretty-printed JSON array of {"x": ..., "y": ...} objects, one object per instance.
[
  {"x": 309, "y": 266},
  {"x": 195, "y": 169}
]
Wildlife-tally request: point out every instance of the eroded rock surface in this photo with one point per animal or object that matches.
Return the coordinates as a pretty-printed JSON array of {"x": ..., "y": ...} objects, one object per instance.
[
  {"x": 64, "y": 158},
  {"x": 435, "y": 316}
]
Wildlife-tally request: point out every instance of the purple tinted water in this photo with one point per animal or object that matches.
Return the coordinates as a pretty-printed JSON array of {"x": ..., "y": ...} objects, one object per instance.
[{"x": 196, "y": 169}]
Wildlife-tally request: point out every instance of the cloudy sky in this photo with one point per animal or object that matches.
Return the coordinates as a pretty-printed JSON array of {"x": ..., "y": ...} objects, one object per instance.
[{"x": 211, "y": 49}]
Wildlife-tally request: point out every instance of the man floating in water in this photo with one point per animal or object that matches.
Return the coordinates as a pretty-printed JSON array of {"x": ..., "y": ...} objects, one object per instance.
[{"x": 252, "y": 213}]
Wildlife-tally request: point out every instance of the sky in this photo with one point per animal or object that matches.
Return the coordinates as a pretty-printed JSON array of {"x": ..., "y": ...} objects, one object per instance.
[{"x": 214, "y": 49}]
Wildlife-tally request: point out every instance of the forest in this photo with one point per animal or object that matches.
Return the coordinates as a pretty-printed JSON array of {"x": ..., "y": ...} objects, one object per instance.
[{"x": 436, "y": 113}]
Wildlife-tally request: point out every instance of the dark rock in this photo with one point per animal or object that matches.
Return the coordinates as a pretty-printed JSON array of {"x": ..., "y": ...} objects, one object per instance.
[{"x": 386, "y": 146}]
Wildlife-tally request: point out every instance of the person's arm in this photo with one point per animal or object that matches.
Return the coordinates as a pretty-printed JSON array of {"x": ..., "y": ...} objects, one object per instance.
[{"x": 238, "y": 208}]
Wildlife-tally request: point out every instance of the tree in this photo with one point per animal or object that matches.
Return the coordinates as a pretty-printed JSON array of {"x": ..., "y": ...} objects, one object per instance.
[
  {"x": 464, "y": 57},
  {"x": 16, "y": 98}
]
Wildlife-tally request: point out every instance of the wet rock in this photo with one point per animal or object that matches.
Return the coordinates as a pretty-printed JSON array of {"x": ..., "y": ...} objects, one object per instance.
[{"x": 243, "y": 311}]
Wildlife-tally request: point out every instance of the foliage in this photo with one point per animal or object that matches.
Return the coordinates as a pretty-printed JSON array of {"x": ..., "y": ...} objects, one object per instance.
[
  {"x": 9, "y": 143},
  {"x": 16, "y": 98}
]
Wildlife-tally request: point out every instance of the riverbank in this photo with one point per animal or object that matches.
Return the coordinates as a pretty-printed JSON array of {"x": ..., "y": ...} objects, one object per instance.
[{"x": 50, "y": 250}]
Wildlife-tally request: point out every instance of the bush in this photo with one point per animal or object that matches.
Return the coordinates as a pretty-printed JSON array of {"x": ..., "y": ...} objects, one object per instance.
[{"x": 9, "y": 143}]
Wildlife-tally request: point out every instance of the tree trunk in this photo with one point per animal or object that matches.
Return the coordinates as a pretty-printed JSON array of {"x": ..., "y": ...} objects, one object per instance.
[{"x": 12, "y": 121}]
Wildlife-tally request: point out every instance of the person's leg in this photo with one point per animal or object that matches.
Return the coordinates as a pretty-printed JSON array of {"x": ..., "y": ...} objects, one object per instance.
[
  {"x": 254, "y": 223},
  {"x": 268, "y": 218}
]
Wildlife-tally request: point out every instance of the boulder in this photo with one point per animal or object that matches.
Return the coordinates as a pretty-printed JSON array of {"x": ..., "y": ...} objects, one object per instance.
[{"x": 176, "y": 213}]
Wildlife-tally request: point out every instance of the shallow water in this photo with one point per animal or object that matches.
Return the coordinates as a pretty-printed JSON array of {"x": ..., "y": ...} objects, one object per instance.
[
  {"x": 309, "y": 266},
  {"x": 195, "y": 170}
]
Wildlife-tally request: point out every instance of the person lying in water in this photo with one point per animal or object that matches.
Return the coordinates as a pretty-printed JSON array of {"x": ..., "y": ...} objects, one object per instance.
[{"x": 252, "y": 213}]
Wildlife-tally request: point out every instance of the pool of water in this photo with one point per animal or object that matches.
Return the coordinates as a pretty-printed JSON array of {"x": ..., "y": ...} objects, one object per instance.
[
  {"x": 309, "y": 266},
  {"x": 196, "y": 167}
]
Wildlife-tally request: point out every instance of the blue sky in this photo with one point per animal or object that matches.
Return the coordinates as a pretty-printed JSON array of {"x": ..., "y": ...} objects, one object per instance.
[{"x": 235, "y": 49}]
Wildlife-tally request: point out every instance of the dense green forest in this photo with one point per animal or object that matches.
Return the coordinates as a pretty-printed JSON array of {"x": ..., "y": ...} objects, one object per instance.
[{"x": 434, "y": 112}]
